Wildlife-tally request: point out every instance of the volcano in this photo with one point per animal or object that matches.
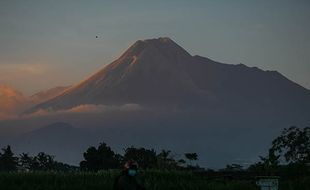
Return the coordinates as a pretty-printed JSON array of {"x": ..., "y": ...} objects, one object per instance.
[
  {"x": 160, "y": 73},
  {"x": 224, "y": 112}
]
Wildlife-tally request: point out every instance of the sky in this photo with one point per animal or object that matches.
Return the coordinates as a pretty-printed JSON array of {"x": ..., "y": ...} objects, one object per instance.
[{"x": 48, "y": 43}]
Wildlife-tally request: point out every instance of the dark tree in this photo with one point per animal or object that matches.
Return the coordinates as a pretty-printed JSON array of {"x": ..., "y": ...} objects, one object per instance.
[
  {"x": 181, "y": 161},
  {"x": 166, "y": 161},
  {"x": 233, "y": 168},
  {"x": 191, "y": 157},
  {"x": 25, "y": 161},
  {"x": 267, "y": 165},
  {"x": 271, "y": 161},
  {"x": 8, "y": 162},
  {"x": 293, "y": 144},
  {"x": 100, "y": 158},
  {"x": 44, "y": 162},
  {"x": 146, "y": 158},
  {"x": 165, "y": 155},
  {"x": 289, "y": 154},
  {"x": 91, "y": 159}
]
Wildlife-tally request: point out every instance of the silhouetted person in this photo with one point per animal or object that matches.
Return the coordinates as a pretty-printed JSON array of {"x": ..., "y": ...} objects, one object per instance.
[{"x": 127, "y": 180}]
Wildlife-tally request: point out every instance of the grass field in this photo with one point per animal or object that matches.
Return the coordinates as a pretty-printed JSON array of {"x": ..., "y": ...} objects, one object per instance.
[{"x": 153, "y": 180}]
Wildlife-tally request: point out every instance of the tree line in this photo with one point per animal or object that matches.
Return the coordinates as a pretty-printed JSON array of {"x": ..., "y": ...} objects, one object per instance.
[
  {"x": 104, "y": 157},
  {"x": 25, "y": 162},
  {"x": 95, "y": 159},
  {"x": 289, "y": 153}
]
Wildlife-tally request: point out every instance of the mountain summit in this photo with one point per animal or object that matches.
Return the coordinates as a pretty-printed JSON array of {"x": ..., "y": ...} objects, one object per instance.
[{"x": 158, "y": 72}]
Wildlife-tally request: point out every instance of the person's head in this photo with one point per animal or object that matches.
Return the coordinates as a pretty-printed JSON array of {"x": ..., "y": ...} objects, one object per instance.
[{"x": 131, "y": 168}]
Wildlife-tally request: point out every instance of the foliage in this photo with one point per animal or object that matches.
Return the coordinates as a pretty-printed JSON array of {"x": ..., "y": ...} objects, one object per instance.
[
  {"x": 8, "y": 162},
  {"x": 100, "y": 158},
  {"x": 152, "y": 180},
  {"x": 41, "y": 162},
  {"x": 191, "y": 157},
  {"x": 293, "y": 144},
  {"x": 233, "y": 168},
  {"x": 165, "y": 160},
  {"x": 43, "y": 172},
  {"x": 146, "y": 158},
  {"x": 267, "y": 165},
  {"x": 25, "y": 162}
]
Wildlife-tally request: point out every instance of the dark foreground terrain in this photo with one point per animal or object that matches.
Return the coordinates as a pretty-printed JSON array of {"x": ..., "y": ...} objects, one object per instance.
[{"x": 153, "y": 180}]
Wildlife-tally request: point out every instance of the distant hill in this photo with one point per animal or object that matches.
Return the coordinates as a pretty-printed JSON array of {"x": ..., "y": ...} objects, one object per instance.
[{"x": 60, "y": 139}]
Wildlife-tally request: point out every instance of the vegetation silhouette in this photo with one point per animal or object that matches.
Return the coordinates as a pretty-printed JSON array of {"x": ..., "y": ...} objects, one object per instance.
[
  {"x": 288, "y": 158},
  {"x": 100, "y": 158}
]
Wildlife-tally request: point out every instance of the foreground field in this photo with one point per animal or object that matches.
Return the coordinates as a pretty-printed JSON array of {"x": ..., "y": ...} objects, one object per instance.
[{"x": 153, "y": 180}]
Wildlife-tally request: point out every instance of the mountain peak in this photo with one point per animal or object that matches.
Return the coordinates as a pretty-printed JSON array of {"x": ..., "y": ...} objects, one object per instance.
[
  {"x": 156, "y": 46},
  {"x": 162, "y": 42},
  {"x": 158, "y": 40}
]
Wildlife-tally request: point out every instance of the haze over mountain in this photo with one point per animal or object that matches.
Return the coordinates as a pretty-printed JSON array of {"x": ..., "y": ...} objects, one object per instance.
[{"x": 159, "y": 96}]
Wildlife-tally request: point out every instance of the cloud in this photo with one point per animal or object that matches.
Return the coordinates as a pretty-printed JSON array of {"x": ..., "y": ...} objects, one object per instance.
[
  {"x": 25, "y": 69},
  {"x": 89, "y": 108},
  {"x": 25, "y": 76},
  {"x": 86, "y": 108},
  {"x": 32, "y": 77},
  {"x": 4, "y": 116}
]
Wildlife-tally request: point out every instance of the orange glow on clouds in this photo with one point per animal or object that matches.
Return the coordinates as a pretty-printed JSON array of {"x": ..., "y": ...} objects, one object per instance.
[
  {"x": 10, "y": 100},
  {"x": 31, "y": 78}
]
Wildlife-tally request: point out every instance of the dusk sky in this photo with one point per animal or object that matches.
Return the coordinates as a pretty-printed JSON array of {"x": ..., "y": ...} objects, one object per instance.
[{"x": 53, "y": 43}]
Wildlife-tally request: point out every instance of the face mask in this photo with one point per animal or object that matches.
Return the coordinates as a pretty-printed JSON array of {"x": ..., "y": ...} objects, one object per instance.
[{"x": 132, "y": 172}]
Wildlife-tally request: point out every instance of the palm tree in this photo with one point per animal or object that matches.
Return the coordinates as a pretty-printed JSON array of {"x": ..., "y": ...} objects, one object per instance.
[{"x": 191, "y": 157}]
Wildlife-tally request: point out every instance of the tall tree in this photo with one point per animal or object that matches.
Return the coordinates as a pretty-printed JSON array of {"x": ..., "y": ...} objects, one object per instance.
[
  {"x": 293, "y": 144},
  {"x": 146, "y": 158},
  {"x": 8, "y": 162},
  {"x": 99, "y": 158},
  {"x": 191, "y": 157},
  {"x": 165, "y": 160},
  {"x": 44, "y": 162},
  {"x": 25, "y": 161}
]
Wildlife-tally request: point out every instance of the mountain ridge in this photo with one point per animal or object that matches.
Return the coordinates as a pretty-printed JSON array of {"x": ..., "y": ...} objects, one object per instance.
[{"x": 157, "y": 72}]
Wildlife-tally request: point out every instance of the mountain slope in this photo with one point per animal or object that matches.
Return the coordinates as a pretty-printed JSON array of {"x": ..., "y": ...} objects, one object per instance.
[
  {"x": 45, "y": 95},
  {"x": 160, "y": 73}
]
